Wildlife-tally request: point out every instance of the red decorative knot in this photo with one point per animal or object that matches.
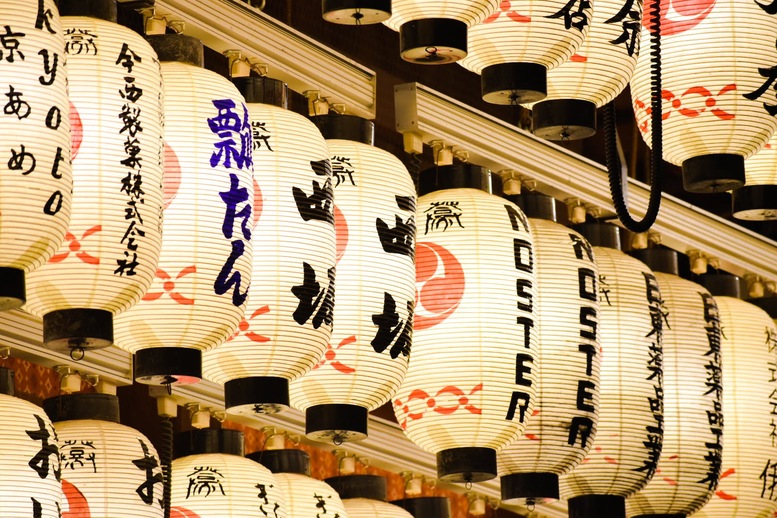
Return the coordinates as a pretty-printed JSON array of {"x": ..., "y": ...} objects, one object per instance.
[
  {"x": 578, "y": 58},
  {"x": 448, "y": 400},
  {"x": 506, "y": 8},
  {"x": 245, "y": 325},
  {"x": 606, "y": 458},
  {"x": 722, "y": 494},
  {"x": 681, "y": 15},
  {"x": 168, "y": 286},
  {"x": 75, "y": 247},
  {"x": 331, "y": 354},
  {"x": 77, "y": 506},
  {"x": 532, "y": 436},
  {"x": 643, "y": 110},
  {"x": 439, "y": 285},
  {"x": 664, "y": 460}
]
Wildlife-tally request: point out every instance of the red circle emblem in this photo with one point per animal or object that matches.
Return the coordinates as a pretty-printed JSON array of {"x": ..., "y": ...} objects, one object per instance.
[
  {"x": 439, "y": 285},
  {"x": 679, "y": 15}
]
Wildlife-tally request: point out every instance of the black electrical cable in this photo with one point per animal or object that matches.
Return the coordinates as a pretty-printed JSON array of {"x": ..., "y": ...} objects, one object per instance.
[{"x": 166, "y": 459}]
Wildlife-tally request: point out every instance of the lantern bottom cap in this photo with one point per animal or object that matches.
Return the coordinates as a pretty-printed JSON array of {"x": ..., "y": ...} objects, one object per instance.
[
  {"x": 256, "y": 395},
  {"x": 713, "y": 173},
  {"x": 514, "y": 83},
  {"x": 433, "y": 41},
  {"x": 168, "y": 366},
  {"x": 77, "y": 330},
  {"x": 597, "y": 506},
  {"x": 336, "y": 423},
  {"x": 755, "y": 203},
  {"x": 463, "y": 465},
  {"x": 12, "y": 288},
  {"x": 529, "y": 488},
  {"x": 356, "y": 12},
  {"x": 564, "y": 119}
]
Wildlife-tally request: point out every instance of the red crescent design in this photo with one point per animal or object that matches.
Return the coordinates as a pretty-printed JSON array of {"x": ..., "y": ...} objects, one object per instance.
[
  {"x": 77, "y": 506},
  {"x": 180, "y": 512},
  {"x": 258, "y": 203},
  {"x": 341, "y": 233},
  {"x": 438, "y": 290},
  {"x": 172, "y": 179},
  {"x": 680, "y": 15},
  {"x": 76, "y": 131}
]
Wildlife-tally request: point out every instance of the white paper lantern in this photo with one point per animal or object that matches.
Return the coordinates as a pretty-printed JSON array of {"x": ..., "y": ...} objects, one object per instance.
[
  {"x": 515, "y": 47},
  {"x": 37, "y": 178},
  {"x": 471, "y": 386},
  {"x": 364, "y": 496},
  {"x": 198, "y": 297},
  {"x": 757, "y": 200},
  {"x": 434, "y": 32},
  {"x": 719, "y": 104},
  {"x": 110, "y": 255},
  {"x": 356, "y": 12},
  {"x": 370, "y": 343},
  {"x": 629, "y": 432},
  {"x": 689, "y": 468},
  {"x": 749, "y": 459},
  {"x": 599, "y": 71},
  {"x": 272, "y": 346},
  {"x": 563, "y": 426}
]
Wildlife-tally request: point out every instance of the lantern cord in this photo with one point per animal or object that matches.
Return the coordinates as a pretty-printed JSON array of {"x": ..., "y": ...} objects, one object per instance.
[
  {"x": 617, "y": 186},
  {"x": 166, "y": 458}
]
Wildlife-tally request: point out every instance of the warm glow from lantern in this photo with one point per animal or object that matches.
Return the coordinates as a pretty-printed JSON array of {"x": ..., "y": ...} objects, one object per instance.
[
  {"x": 761, "y": 177},
  {"x": 306, "y": 497},
  {"x": 367, "y": 508}
]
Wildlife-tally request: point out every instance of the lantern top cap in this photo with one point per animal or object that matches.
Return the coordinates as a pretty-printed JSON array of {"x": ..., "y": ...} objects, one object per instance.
[
  {"x": 199, "y": 442},
  {"x": 6, "y": 381},
  {"x": 721, "y": 284},
  {"x": 101, "y": 9},
  {"x": 768, "y": 304},
  {"x": 372, "y": 487},
  {"x": 263, "y": 90},
  {"x": 283, "y": 461},
  {"x": 605, "y": 235},
  {"x": 661, "y": 260},
  {"x": 426, "y": 506},
  {"x": 68, "y": 407},
  {"x": 459, "y": 176},
  {"x": 345, "y": 127},
  {"x": 535, "y": 205},
  {"x": 178, "y": 47}
]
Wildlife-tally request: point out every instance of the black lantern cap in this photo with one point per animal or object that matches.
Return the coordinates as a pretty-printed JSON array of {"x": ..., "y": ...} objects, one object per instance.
[
  {"x": 168, "y": 366},
  {"x": 466, "y": 464},
  {"x": 529, "y": 488},
  {"x": 283, "y": 461},
  {"x": 721, "y": 284},
  {"x": 514, "y": 83},
  {"x": 597, "y": 506},
  {"x": 263, "y": 90},
  {"x": 426, "y": 506},
  {"x": 336, "y": 422},
  {"x": 102, "y": 9},
  {"x": 198, "y": 442},
  {"x": 459, "y": 176},
  {"x": 356, "y": 12},
  {"x": 256, "y": 395},
  {"x": 661, "y": 260},
  {"x": 714, "y": 173},
  {"x": 755, "y": 202},
  {"x": 13, "y": 293},
  {"x": 535, "y": 205},
  {"x": 68, "y": 407},
  {"x": 77, "y": 330},
  {"x": 564, "y": 119},
  {"x": 605, "y": 235},
  {"x": 6, "y": 381},
  {"x": 768, "y": 304},
  {"x": 433, "y": 41},
  {"x": 178, "y": 47},
  {"x": 371, "y": 487},
  {"x": 345, "y": 127},
  {"x": 679, "y": 515}
]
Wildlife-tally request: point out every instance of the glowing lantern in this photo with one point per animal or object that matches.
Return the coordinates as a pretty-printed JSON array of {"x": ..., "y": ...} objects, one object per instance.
[
  {"x": 35, "y": 159},
  {"x": 719, "y": 105},
  {"x": 627, "y": 447},
  {"x": 487, "y": 342},
  {"x": 434, "y": 32},
  {"x": 114, "y": 238},
  {"x": 514, "y": 48},
  {"x": 364, "y": 496},
  {"x": 757, "y": 200},
  {"x": 368, "y": 355},
  {"x": 356, "y": 12},
  {"x": 689, "y": 467},
  {"x": 273, "y": 344},
  {"x": 108, "y": 469},
  {"x": 199, "y": 294}
]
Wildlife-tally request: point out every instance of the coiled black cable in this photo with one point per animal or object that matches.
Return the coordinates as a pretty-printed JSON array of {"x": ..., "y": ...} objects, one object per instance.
[{"x": 166, "y": 459}]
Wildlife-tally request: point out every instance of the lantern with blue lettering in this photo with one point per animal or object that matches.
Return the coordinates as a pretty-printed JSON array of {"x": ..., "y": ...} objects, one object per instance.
[
  {"x": 471, "y": 386},
  {"x": 514, "y": 48},
  {"x": 199, "y": 294},
  {"x": 748, "y": 462},
  {"x": 689, "y": 468},
  {"x": 717, "y": 71},
  {"x": 108, "y": 469},
  {"x": 364, "y": 496},
  {"x": 274, "y": 343},
  {"x": 374, "y": 212},
  {"x": 37, "y": 177},
  {"x": 625, "y": 452},
  {"x": 356, "y": 12},
  {"x": 113, "y": 242},
  {"x": 757, "y": 200},
  {"x": 563, "y": 426}
]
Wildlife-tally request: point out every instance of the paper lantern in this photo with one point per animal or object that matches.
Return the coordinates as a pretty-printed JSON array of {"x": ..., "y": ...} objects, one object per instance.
[
  {"x": 199, "y": 294},
  {"x": 356, "y": 12},
  {"x": 514, "y": 48},
  {"x": 35, "y": 157},
  {"x": 689, "y": 468},
  {"x": 471, "y": 386},
  {"x": 305, "y": 496},
  {"x": 375, "y": 218},
  {"x": 600, "y": 69},
  {"x": 627, "y": 446},
  {"x": 563, "y": 425},
  {"x": 434, "y": 32},
  {"x": 364, "y": 496},
  {"x": 748, "y": 462},
  {"x": 212, "y": 478},
  {"x": 757, "y": 200},
  {"x": 108, "y": 469},
  {"x": 273, "y": 344},
  {"x": 426, "y": 506},
  {"x": 29, "y": 466},
  {"x": 719, "y": 105},
  {"x": 112, "y": 247}
]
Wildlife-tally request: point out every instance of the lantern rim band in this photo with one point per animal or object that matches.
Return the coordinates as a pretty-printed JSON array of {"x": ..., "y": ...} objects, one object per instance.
[
  {"x": 597, "y": 506},
  {"x": 283, "y": 461},
  {"x": 13, "y": 293},
  {"x": 77, "y": 330},
  {"x": 470, "y": 464},
  {"x": 514, "y": 83},
  {"x": 564, "y": 119},
  {"x": 205, "y": 441},
  {"x": 101, "y": 9},
  {"x": 179, "y": 48},
  {"x": 168, "y": 366},
  {"x": 678, "y": 515},
  {"x": 661, "y": 260},
  {"x": 371, "y": 487},
  {"x": 336, "y": 422},
  {"x": 768, "y": 304},
  {"x": 425, "y": 506},
  {"x": 7, "y": 386},
  {"x": 755, "y": 202},
  {"x": 356, "y": 12},
  {"x": 605, "y": 235},
  {"x": 536, "y": 205},
  {"x": 721, "y": 284},
  {"x": 256, "y": 395},
  {"x": 69, "y": 407},
  {"x": 529, "y": 488},
  {"x": 433, "y": 41},
  {"x": 459, "y": 176},
  {"x": 717, "y": 172},
  {"x": 335, "y": 126},
  {"x": 263, "y": 90}
]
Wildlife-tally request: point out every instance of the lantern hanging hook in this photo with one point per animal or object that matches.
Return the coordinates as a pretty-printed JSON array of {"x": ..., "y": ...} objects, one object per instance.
[{"x": 77, "y": 353}]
